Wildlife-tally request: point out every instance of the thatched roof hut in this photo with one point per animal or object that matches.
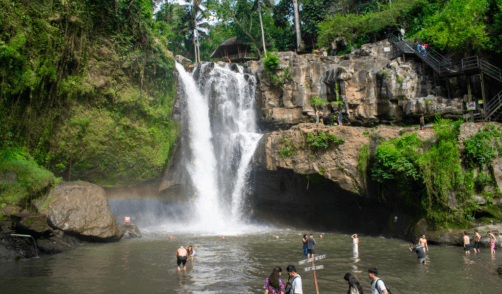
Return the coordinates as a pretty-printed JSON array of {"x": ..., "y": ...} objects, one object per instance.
[{"x": 235, "y": 49}]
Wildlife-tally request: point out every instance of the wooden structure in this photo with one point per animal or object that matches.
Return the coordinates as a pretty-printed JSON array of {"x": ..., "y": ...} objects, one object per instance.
[
  {"x": 236, "y": 50},
  {"x": 468, "y": 67}
]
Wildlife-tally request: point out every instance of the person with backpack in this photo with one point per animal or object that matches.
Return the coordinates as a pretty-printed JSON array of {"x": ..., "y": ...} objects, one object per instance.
[
  {"x": 377, "y": 285},
  {"x": 295, "y": 286},
  {"x": 424, "y": 49}
]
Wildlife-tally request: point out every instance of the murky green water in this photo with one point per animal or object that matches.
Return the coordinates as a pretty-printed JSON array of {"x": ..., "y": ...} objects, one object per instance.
[{"x": 240, "y": 264}]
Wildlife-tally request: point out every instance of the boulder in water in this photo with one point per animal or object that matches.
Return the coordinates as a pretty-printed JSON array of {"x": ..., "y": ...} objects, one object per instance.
[
  {"x": 82, "y": 208},
  {"x": 130, "y": 231}
]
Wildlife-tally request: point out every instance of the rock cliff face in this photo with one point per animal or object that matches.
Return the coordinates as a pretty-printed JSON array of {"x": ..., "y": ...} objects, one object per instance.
[{"x": 374, "y": 88}]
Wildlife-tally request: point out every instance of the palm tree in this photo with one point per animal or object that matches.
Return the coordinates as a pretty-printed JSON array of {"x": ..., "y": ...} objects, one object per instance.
[
  {"x": 257, "y": 5},
  {"x": 297, "y": 25},
  {"x": 196, "y": 9}
]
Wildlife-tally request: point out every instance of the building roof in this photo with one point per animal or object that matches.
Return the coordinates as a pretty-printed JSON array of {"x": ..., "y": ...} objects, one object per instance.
[{"x": 232, "y": 46}]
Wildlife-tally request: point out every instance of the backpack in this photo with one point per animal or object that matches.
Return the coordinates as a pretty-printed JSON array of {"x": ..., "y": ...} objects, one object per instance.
[
  {"x": 425, "y": 46},
  {"x": 386, "y": 287},
  {"x": 289, "y": 287}
]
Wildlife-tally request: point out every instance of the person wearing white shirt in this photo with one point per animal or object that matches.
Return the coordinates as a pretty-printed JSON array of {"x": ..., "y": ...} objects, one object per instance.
[{"x": 296, "y": 284}]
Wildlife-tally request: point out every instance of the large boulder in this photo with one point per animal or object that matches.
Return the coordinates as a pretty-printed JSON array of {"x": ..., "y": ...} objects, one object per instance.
[{"x": 82, "y": 208}]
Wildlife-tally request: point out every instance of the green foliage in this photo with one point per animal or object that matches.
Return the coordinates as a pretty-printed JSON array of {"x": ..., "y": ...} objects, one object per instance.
[
  {"x": 399, "y": 79},
  {"x": 427, "y": 176},
  {"x": 321, "y": 170},
  {"x": 482, "y": 147},
  {"x": 288, "y": 149},
  {"x": 24, "y": 180},
  {"x": 323, "y": 140},
  {"x": 396, "y": 159},
  {"x": 108, "y": 57},
  {"x": 458, "y": 25},
  {"x": 316, "y": 101},
  {"x": 352, "y": 26}
]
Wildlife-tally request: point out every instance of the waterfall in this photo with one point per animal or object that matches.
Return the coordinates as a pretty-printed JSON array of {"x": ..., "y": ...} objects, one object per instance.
[{"x": 222, "y": 137}]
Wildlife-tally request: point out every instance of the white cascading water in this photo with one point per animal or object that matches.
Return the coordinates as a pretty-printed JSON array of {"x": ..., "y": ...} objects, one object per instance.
[{"x": 223, "y": 137}]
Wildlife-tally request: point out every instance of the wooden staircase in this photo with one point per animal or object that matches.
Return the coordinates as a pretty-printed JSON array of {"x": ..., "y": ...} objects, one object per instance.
[{"x": 445, "y": 68}]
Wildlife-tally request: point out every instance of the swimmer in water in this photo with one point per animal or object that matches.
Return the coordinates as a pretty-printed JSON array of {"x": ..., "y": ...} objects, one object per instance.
[
  {"x": 423, "y": 242},
  {"x": 181, "y": 256}
]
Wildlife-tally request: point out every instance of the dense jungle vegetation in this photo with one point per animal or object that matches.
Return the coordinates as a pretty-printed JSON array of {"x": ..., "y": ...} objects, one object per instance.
[
  {"x": 86, "y": 91},
  {"x": 462, "y": 26}
]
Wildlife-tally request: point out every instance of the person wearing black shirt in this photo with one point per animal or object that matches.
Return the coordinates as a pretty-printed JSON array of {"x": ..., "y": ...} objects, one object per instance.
[{"x": 420, "y": 252}]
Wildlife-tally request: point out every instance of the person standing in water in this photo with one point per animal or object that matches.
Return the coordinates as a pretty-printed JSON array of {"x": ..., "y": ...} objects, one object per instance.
[
  {"x": 181, "y": 256},
  {"x": 420, "y": 250},
  {"x": 311, "y": 243},
  {"x": 492, "y": 243},
  {"x": 355, "y": 243},
  {"x": 190, "y": 252},
  {"x": 354, "y": 286},
  {"x": 423, "y": 242},
  {"x": 305, "y": 245},
  {"x": 467, "y": 244},
  {"x": 477, "y": 239}
]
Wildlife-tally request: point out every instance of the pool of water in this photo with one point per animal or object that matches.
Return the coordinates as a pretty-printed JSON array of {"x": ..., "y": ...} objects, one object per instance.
[{"x": 240, "y": 264}]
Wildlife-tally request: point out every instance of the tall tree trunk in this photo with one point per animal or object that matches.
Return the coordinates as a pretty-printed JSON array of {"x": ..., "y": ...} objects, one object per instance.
[
  {"x": 262, "y": 32},
  {"x": 297, "y": 25}
]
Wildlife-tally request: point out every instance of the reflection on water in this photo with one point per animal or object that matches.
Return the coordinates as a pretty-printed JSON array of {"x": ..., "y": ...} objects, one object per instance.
[{"x": 240, "y": 264}]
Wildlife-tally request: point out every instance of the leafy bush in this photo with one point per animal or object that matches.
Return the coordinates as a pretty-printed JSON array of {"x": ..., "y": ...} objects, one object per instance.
[
  {"x": 288, "y": 149},
  {"x": 32, "y": 180},
  {"x": 481, "y": 148},
  {"x": 352, "y": 26},
  {"x": 322, "y": 140},
  {"x": 316, "y": 101},
  {"x": 271, "y": 63},
  {"x": 459, "y": 25}
]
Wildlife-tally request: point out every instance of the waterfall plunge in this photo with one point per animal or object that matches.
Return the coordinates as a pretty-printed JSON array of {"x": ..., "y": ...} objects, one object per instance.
[{"x": 223, "y": 138}]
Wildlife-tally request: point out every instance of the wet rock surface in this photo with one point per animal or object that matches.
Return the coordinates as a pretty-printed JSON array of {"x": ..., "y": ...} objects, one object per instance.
[
  {"x": 81, "y": 208},
  {"x": 30, "y": 223},
  {"x": 130, "y": 231}
]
